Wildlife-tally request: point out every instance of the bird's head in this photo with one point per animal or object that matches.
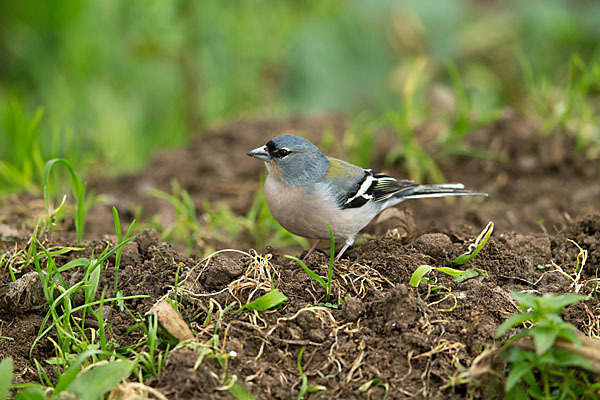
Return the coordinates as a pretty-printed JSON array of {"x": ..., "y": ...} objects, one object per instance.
[{"x": 292, "y": 159}]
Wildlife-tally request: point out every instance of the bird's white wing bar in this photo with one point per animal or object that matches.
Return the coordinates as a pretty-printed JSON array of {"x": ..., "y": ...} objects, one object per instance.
[
  {"x": 374, "y": 186},
  {"x": 363, "y": 191}
]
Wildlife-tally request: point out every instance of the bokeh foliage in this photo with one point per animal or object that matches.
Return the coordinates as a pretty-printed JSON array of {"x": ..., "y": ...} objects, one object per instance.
[{"x": 117, "y": 79}]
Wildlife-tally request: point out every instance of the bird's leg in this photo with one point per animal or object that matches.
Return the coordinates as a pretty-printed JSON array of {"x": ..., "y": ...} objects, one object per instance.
[
  {"x": 314, "y": 246},
  {"x": 339, "y": 255}
]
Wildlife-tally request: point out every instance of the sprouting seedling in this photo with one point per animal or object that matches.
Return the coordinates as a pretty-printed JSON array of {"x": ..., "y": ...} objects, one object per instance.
[
  {"x": 375, "y": 382},
  {"x": 476, "y": 247},
  {"x": 459, "y": 275},
  {"x": 305, "y": 387},
  {"x": 270, "y": 300},
  {"x": 120, "y": 239},
  {"x": 313, "y": 275},
  {"x": 78, "y": 189},
  {"x": 59, "y": 294},
  {"x": 551, "y": 365}
]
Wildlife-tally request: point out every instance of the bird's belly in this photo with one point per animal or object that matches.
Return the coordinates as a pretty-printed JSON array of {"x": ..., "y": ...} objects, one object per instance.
[{"x": 308, "y": 215}]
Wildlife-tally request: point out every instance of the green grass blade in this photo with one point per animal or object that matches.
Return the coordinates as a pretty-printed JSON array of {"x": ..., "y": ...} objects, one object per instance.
[
  {"x": 6, "y": 376},
  {"x": 77, "y": 188},
  {"x": 479, "y": 243},
  {"x": 270, "y": 300},
  {"x": 419, "y": 273},
  {"x": 331, "y": 260},
  {"x": 79, "y": 262},
  {"x": 310, "y": 273},
  {"x": 117, "y": 223}
]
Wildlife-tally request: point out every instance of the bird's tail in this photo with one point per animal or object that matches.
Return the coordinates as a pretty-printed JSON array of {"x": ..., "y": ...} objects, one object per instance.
[{"x": 447, "y": 189}]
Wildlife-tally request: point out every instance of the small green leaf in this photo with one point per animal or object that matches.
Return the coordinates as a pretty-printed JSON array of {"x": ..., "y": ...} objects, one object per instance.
[
  {"x": 101, "y": 379},
  {"x": 566, "y": 358},
  {"x": 543, "y": 338},
  {"x": 451, "y": 271},
  {"x": 265, "y": 302},
  {"x": 6, "y": 375},
  {"x": 526, "y": 300},
  {"x": 419, "y": 273},
  {"x": 366, "y": 386},
  {"x": 561, "y": 301},
  {"x": 470, "y": 274},
  {"x": 516, "y": 372},
  {"x": 570, "y": 335},
  {"x": 32, "y": 393},
  {"x": 71, "y": 373},
  {"x": 511, "y": 322},
  {"x": 239, "y": 392},
  {"x": 476, "y": 247}
]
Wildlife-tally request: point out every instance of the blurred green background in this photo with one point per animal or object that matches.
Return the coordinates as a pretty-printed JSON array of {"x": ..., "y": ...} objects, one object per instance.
[{"x": 104, "y": 83}]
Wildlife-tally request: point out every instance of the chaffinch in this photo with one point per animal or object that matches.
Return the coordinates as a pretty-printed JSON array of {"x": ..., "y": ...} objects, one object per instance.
[{"x": 305, "y": 191}]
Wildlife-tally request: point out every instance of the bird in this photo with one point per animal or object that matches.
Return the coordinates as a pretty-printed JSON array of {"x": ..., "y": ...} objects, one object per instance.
[{"x": 306, "y": 191}]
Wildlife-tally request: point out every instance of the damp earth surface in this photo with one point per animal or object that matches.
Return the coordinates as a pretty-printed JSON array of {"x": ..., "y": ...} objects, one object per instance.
[{"x": 377, "y": 335}]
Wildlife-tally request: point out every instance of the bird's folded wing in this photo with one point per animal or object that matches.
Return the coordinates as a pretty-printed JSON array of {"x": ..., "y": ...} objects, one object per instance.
[{"x": 354, "y": 186}]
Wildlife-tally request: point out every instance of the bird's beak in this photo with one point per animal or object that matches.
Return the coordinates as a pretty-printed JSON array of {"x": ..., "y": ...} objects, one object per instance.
[{"x": 260, "y": 153}]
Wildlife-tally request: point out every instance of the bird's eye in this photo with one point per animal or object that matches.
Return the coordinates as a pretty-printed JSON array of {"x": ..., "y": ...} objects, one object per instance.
[{"x": 282, "y": 153}]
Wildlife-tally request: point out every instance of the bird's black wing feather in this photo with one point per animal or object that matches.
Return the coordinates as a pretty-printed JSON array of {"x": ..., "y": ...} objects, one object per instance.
[{"x": 375, "y": 186}]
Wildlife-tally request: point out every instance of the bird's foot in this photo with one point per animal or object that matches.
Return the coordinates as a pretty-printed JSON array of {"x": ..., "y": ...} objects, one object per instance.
[{"x": 312, "y": 249}]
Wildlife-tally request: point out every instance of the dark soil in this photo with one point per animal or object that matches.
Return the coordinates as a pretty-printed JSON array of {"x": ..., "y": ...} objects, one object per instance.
[{"x": 415, "y": 340}]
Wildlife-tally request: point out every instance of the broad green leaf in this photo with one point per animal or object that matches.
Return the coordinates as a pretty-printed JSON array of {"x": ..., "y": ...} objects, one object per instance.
[
  {"x": 32, "y": 393},
  {"x": 566, "y": 358},
  {"x": 511, "y": 322},
  {"x": 561, "y": 301},
  {"x": 570, "y": 335},
  {"x": 96, "y": 382},
  {"x": 517, "y": 370},
  {"x": 526, "y": 300},
  {"x": 419, "y": 273},
  {"x": 543, "y": 338},
  {"x": 6, "y": 375},
  {"x": 71, "y": 373},
  {"x": 518, "y": 393},
  {"x": 476, "y": 247},
  {"x": 269, "y": 300}
]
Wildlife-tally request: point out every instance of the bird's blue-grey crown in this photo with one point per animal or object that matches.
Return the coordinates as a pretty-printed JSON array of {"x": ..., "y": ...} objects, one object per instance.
[{"x": 300, "y": 162}]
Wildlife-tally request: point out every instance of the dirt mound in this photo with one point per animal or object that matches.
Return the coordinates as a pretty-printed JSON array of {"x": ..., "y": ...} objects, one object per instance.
[
  {"x": 426, "y": 342},
  {"x": 412, "y": 339}
]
